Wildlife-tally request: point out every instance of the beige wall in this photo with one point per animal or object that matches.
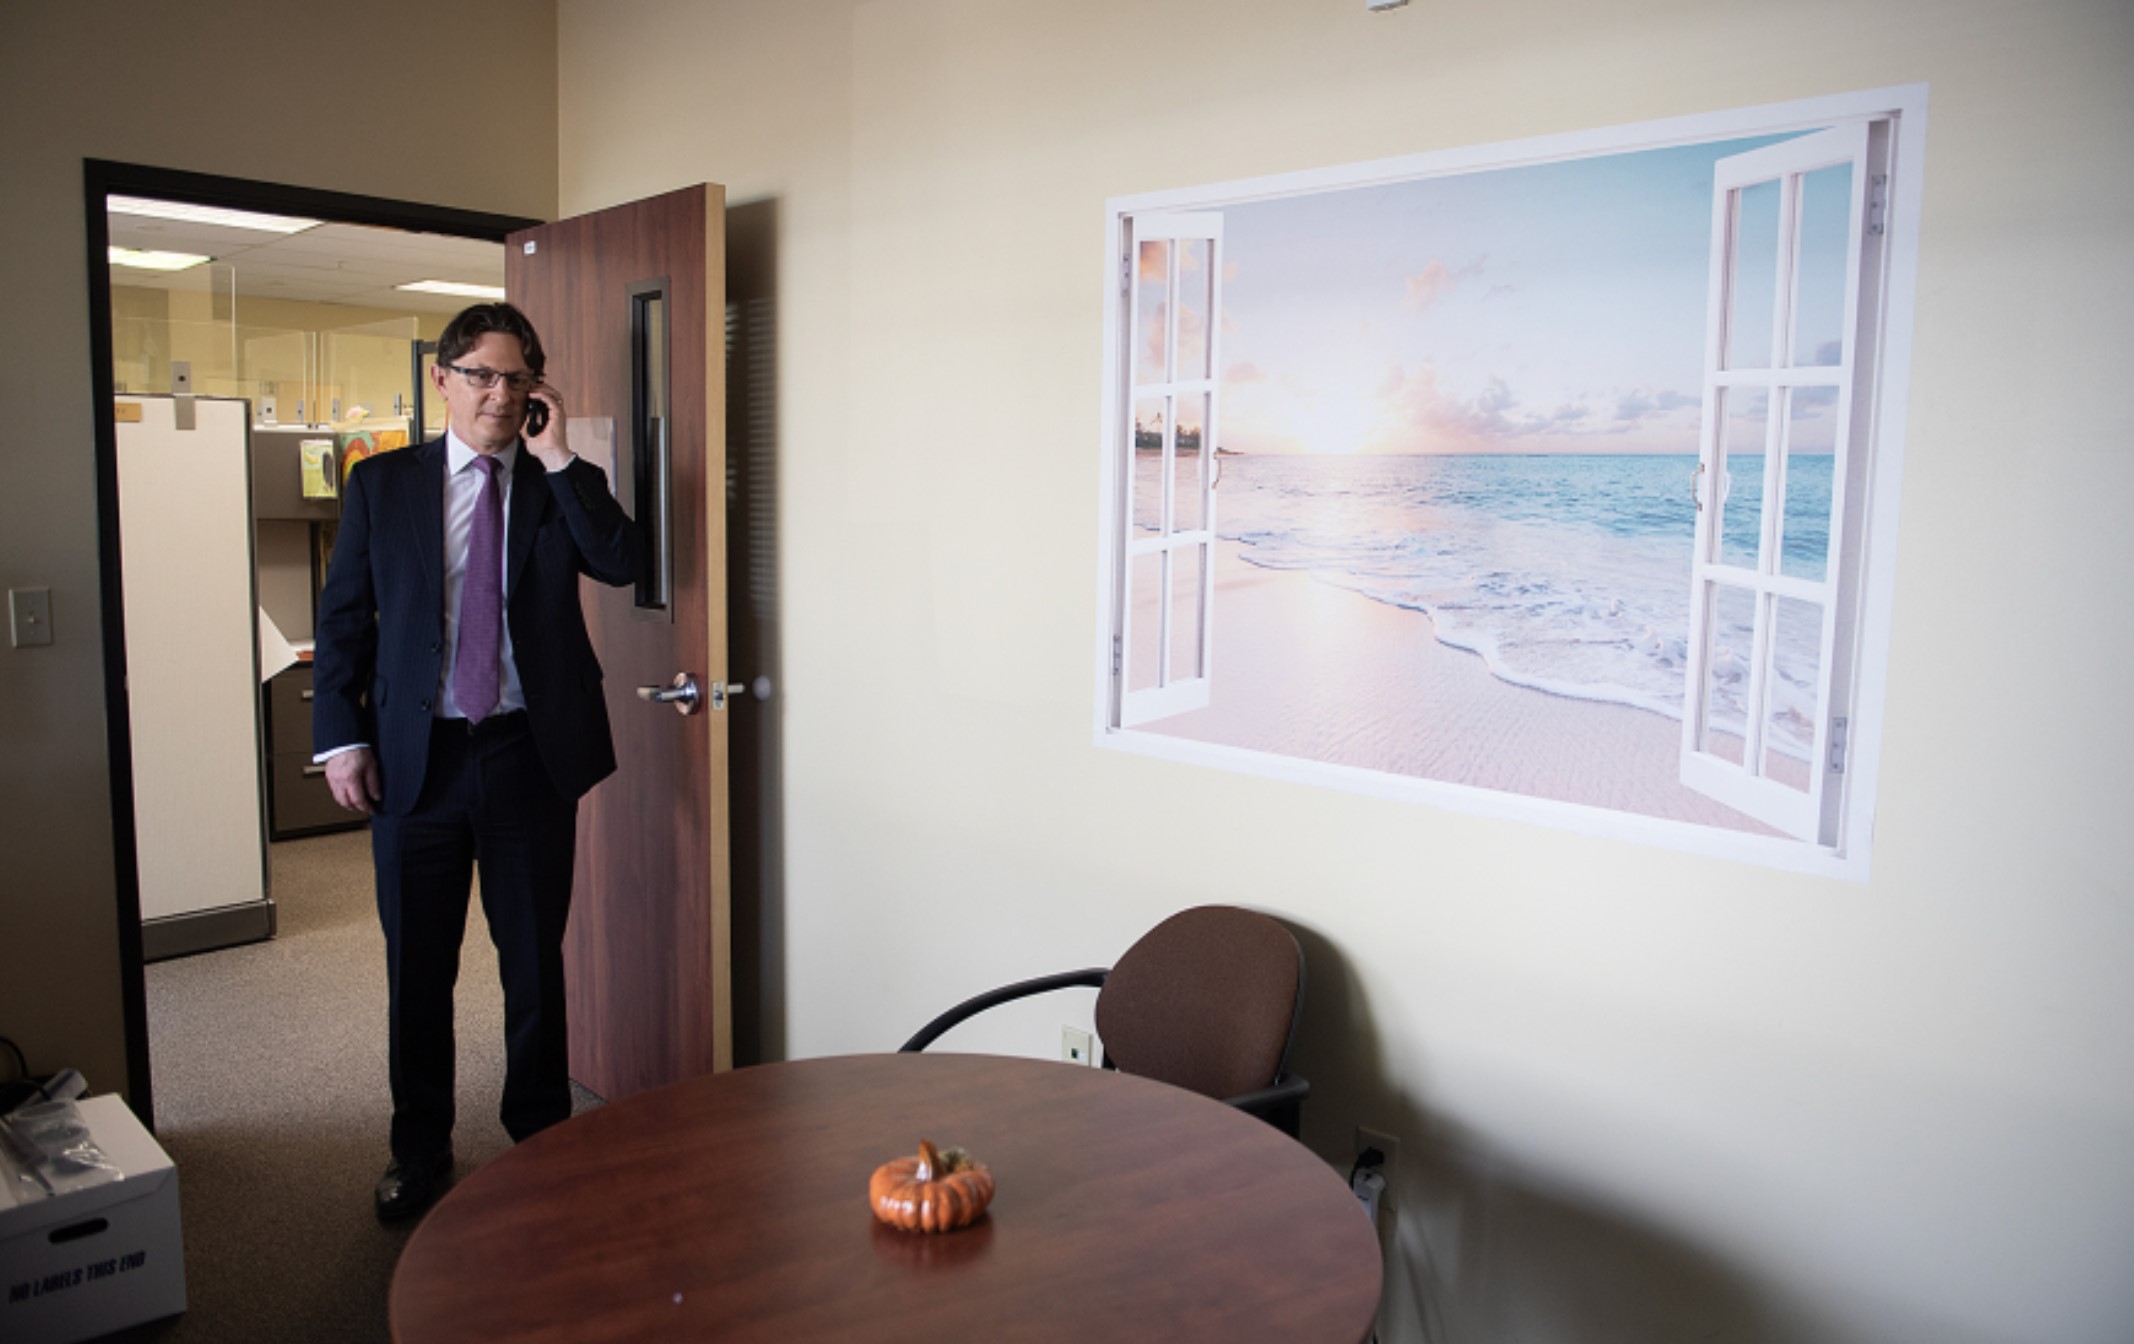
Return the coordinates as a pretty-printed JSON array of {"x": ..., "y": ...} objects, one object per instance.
[
  {"x": 152, "y": 84},
  {"x": 1643, "y": 1095}
]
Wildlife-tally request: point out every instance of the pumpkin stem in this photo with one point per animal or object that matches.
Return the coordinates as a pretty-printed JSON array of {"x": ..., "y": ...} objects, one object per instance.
[{"x": 929, "y": 1161}]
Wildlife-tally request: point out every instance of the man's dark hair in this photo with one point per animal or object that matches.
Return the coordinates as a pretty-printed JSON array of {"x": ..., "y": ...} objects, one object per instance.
[{"x": 463, "y": 331}]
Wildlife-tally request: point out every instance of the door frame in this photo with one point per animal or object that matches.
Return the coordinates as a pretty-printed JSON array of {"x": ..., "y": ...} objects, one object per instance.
[{"x": 102, "y": 179}]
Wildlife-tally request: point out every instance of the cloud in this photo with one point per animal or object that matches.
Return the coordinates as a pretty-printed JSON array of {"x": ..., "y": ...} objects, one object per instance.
[
  {"x": 1809, "y": 403},
  {"x": 1247, "y": 372},
  {"x": 1229, "y": 271},
  {"x": 1429, "y": 285},
  {"x": 1153, "y": 331},
  {"x": 1638, "y": 403},
  {"x": 1192, "y": 338},
  {"x": 1426, "y": 418},
  {"x": 1422, "y": 416},
  {"x": 1633, "y": 406},
  {"x": 1436, "y": 280}
]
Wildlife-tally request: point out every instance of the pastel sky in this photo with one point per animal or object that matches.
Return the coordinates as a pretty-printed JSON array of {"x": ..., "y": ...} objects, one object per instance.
[{"x": 1553, "y": 308}]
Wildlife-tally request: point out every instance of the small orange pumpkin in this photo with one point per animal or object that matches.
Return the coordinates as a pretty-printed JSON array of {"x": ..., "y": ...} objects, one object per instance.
[{"x": 934, "y": 1192}]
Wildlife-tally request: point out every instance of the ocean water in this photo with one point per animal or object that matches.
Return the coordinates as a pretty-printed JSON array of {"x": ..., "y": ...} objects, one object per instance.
[{"x": 1568, "y": 574}]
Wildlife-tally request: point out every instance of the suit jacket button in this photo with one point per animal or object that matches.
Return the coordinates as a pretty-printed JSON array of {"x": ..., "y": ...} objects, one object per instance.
[
  {"x": 435, "y": 647},
  {"x": 425, "y": 706}
]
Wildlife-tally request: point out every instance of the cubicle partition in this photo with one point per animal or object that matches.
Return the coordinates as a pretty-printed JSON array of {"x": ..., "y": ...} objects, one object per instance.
[{"x": 193, "y": 671}]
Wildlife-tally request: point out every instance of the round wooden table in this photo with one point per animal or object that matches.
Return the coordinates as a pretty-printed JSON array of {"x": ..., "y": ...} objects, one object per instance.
[{"x": 734, "y": 1207}]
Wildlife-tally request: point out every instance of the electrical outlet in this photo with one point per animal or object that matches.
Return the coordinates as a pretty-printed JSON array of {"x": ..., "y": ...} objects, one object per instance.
[
  {"x": 1389, "y": 1149},
  {"x": 1077, "y": 1046}
]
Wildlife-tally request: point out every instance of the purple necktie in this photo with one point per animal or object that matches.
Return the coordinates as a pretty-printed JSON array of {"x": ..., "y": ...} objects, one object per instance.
[{"x": 481, "y": 602}]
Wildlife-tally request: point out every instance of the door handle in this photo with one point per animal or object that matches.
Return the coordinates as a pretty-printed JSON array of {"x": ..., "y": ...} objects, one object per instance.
[
  {"x": 683, "y": 694},
  {"x": 687, "y": 697}
]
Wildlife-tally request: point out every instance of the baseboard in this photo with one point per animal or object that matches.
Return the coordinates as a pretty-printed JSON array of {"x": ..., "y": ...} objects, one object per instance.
[{"x": 206, "y": 930}]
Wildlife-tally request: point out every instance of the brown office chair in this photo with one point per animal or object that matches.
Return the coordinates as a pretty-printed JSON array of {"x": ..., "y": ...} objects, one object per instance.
[{"x": 1207, "y": 1000}]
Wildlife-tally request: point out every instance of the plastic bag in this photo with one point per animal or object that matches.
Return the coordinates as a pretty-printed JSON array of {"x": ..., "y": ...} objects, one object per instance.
[{"x": 53, "y": 1151}]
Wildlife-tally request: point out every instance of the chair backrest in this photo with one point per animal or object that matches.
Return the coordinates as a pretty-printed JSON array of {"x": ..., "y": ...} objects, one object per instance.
[{"x": 1206, "y": 1000}]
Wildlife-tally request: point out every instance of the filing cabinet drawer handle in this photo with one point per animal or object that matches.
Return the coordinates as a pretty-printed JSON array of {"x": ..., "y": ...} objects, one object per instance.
[
  {"x": 304, "y": 694},
  {"x": 314, "y": 771}
]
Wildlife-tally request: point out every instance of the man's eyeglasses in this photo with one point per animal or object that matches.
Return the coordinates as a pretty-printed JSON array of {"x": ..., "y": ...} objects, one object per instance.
[{"x": 488, "y": 378}]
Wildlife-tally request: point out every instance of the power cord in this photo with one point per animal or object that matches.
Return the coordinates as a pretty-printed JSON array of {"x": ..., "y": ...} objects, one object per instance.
[
  {"x": 26, "y": 1087},
  {"x": 1369, "y": 1157},
  {"x": 1366, "y": 1182}
]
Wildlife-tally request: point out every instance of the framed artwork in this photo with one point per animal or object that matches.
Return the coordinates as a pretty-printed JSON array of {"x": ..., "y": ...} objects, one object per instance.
[{"x": 1555, "y": 479}]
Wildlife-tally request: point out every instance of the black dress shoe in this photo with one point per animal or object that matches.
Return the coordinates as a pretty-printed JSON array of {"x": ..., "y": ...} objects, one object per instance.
[{"x": 407, "y": 1188}]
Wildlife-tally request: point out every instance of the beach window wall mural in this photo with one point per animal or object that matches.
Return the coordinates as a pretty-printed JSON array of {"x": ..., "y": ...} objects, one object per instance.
[{"x": 1554, "y": 480}]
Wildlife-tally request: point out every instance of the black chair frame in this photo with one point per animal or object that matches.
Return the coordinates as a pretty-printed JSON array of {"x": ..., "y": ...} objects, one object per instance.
[{"x": 1280, "y": 1103}]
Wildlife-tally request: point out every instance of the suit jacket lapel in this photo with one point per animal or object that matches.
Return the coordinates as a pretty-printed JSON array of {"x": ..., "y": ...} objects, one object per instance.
[
  {"x": 427, "y": 515},
  {"x": 529, "y": 502}
]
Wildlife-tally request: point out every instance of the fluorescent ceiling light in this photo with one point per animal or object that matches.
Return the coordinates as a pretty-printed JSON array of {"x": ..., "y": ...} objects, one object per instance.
[
  {"x": 463, "y": 290},
  {"x": 156, "y": 261},
  {"x": 208, "y": 214}
]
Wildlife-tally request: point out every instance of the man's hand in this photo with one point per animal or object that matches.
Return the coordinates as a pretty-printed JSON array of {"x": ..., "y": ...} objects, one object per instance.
[
  {"x": 548, "y": 445},
  {"x": 353, "y": 777}
]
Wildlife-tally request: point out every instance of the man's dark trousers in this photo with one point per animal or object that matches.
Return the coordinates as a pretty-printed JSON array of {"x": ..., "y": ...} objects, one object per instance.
[{"x": 486, "y": 804}]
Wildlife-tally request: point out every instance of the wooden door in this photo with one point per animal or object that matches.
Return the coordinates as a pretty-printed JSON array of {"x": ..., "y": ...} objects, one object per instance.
[{"x": 630, "y": 305}]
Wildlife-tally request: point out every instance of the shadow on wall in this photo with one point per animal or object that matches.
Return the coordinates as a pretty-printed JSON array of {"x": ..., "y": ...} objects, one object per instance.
[
  {"x": 755, "y": 767},
  {"x": 1478, "y": 1249}
]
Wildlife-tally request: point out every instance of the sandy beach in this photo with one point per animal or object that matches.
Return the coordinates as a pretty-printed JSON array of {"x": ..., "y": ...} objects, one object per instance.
[{"x": 1306, "y": 669}]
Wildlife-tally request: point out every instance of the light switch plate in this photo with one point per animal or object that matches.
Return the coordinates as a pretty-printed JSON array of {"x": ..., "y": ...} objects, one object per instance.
[
  {"x": 29, "y": 616},
  {"x": 181, "y": 377}
]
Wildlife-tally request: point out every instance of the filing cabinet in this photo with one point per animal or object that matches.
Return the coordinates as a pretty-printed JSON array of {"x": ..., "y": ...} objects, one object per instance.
[{"x": 298, "y": 801}]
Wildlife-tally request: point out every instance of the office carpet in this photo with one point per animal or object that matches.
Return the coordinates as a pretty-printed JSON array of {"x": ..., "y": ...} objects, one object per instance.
[{"x": 270, "y": 1091}]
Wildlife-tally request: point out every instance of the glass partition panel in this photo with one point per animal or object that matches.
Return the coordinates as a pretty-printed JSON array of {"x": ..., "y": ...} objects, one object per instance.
[
  {"x": 280, "y": 373},
  {"x": 179, "y": 321},
  {"x": 135, "y": 346},
  {"x": 369, "y": 372}
]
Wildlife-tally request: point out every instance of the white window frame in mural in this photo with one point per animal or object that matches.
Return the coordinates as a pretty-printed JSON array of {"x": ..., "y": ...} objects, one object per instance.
[
  {"x": 1740, "y": 767},
  {"x": 1819, "y": 809},
  {"x": 1165, "y": 609}
]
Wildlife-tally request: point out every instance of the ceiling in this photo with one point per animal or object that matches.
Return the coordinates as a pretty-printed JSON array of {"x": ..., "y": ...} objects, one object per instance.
[{"x": 334, "y": 263}]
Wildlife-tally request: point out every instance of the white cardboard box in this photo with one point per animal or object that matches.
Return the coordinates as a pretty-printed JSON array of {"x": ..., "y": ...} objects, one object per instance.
[{"x": 79, "y": 1265}]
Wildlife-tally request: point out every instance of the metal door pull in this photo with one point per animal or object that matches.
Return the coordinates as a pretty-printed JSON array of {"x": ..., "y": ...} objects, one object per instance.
[{"x": 687, "y": 697}]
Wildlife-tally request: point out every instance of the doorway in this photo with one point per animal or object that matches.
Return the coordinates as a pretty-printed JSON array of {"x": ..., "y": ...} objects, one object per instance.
[{"x": 104, "y": 181}]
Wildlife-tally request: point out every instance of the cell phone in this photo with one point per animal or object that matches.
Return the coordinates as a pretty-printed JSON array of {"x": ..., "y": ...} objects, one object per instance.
[{"x": 536, "y": 417}]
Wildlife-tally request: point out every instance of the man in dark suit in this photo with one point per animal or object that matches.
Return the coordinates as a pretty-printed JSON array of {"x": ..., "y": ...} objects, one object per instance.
[{"x": 458, "y": 703}]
